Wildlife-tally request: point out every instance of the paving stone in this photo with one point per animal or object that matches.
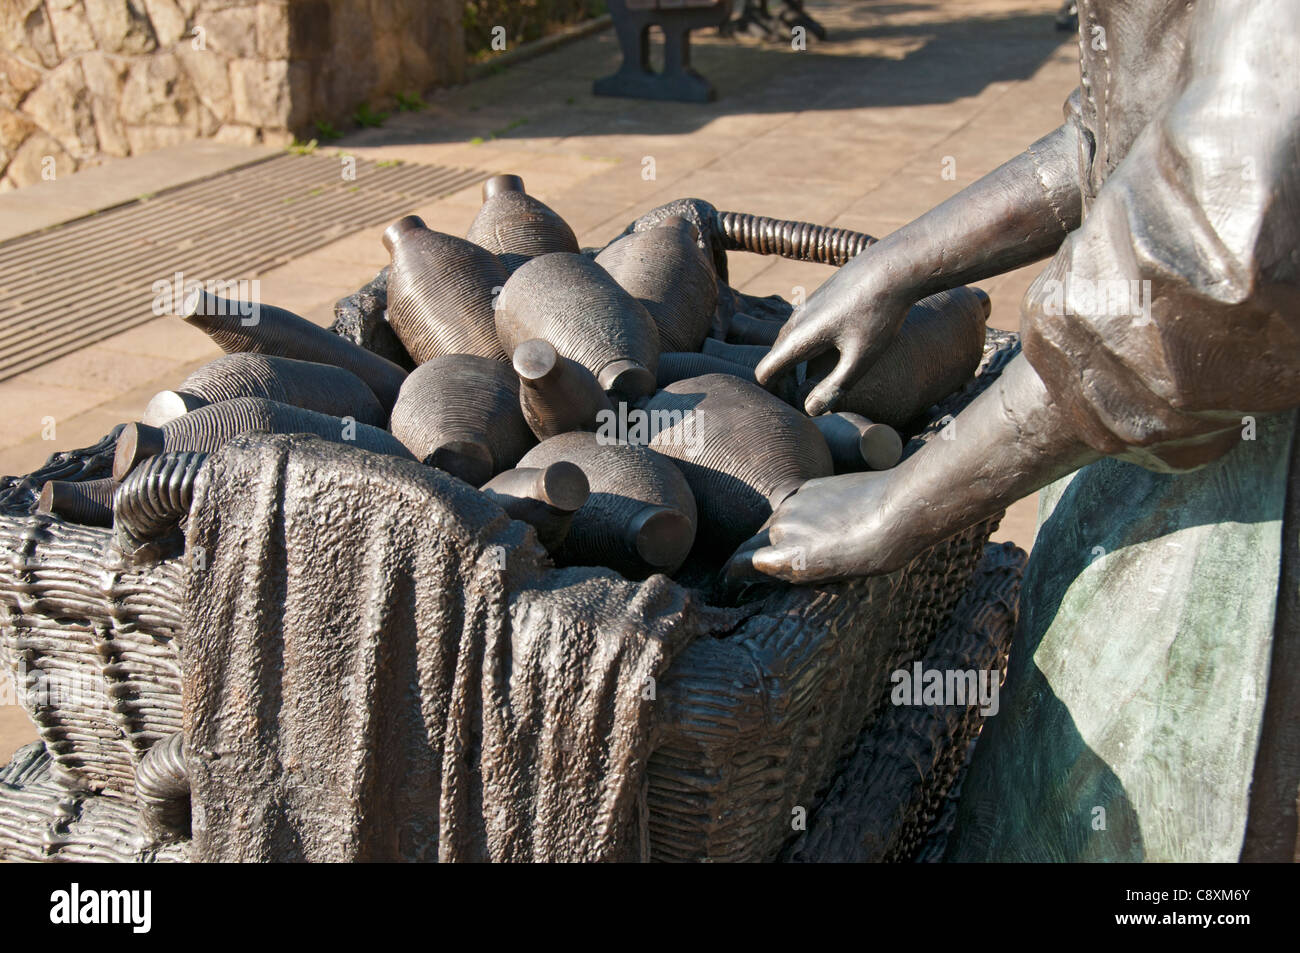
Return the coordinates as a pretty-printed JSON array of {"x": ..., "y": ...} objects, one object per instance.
[
  {"x": 98, "y": 370},
  {"x": 789, "y": 279},
  {"x": 362, "y": 249},
  {"x": 16, "y": 729},
  {"x": 1006, "y": 292},
  {"x": 592, "y": 221},
  {"x": 1020, "y": 524},
  {"x": 72, "y": 196},
  {"x": 301, "y": 294},
  {"x": 448, "y": 217},
  {"x": 29, "y": 403},
  {"x": 322, "y": 271},
  {"x": 130, "y": 405},
  {"x": 167, "y": 337},
  {"x": 82, "y": 430}
]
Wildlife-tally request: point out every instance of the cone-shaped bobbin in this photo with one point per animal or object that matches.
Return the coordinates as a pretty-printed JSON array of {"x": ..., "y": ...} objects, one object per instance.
[
  {"x": 167, "y": 405},
  {"x": 136, "y": 442},
  {"x": 564, "y": 486},
  {"x": 660, "y": 535},
  {"x": 502, "y": 183},
  {"x": 627, "y": 379},
  {"x": 471, "y": 460}
]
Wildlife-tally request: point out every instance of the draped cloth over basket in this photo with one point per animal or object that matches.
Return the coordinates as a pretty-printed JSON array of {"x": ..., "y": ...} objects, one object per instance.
[{"x": 380, "y": 665}]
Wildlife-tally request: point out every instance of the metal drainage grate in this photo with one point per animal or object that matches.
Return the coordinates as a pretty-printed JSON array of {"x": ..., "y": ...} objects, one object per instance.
[{"x": 77, "y": 283}]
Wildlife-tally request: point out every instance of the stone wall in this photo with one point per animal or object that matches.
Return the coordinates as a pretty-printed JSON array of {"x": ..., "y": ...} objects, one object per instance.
[{"x": 82, "y": 81}]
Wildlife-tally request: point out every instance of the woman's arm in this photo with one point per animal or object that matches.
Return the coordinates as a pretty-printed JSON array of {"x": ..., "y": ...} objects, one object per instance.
[
  {"x": 1017, "y": 214},
  {"x": 1011, "y": 441},
  {"x": 1204, "y": 211}
]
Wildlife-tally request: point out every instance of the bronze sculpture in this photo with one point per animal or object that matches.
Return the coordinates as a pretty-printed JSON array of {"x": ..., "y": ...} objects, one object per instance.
[
  {"x": 544, "y": 497},
  {"x": 573, "y": 303},
  {"x": 749, "y": 355},
  {"x": 324, "y": 388},
  {"x": 679, "y": 365},
  {"x": 154, "y": 497},
  {"x": 515, "y": 226},
  {"x": 936, "y": 349},
  {"x": 441, "y": 292},
  {"x": 748, "y": 329},
  {"x": 265, "y": 329},
  {"x": 667, "y": 271},
  {"x": 556, "y": 394},
  {"x": 857, "y": 443},
  {"x": 741, "y": 450},
  {"x": 641, "y": 515},
  {"x": 1171, "y": 187},
  {"x": 210, "y": 427},
  {"x": 460, "y": 413},
  {"x": 361, "y": 319},
  {"x": 89, "y": 503}
]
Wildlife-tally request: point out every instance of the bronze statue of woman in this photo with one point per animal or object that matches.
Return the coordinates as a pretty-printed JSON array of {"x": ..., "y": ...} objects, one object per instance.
[{"x": 1152, "y": 704}]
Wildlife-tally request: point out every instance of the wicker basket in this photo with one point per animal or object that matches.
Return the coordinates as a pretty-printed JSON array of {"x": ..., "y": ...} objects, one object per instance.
[{"x": 749, "y": 727}]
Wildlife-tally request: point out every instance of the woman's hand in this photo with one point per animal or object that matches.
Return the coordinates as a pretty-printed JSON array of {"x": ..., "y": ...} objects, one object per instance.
[
  {"x": 833, "y": 528},
  {"x": 1013, "y": 439},
  {"x": 1017, "y": 214},
  {"x": 857, "y": 312}
]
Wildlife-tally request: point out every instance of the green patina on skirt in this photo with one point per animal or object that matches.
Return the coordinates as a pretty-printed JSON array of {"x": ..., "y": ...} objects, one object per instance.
[{"x": 1132, "y": 708}]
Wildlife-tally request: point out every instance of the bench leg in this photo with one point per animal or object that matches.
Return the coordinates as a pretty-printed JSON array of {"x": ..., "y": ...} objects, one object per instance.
[
  {"x": 678, "y": 82},
  {"x": 633, "y": 32},
  {"x": 687, "y": 84}
]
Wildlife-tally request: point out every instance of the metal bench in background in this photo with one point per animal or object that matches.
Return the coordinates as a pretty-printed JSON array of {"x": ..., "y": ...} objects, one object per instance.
[{"x": 676, "y": 18}]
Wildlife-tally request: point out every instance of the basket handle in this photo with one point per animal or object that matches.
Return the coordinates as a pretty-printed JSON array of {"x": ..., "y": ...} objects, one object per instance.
[{"x": 799, "y": 241}]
